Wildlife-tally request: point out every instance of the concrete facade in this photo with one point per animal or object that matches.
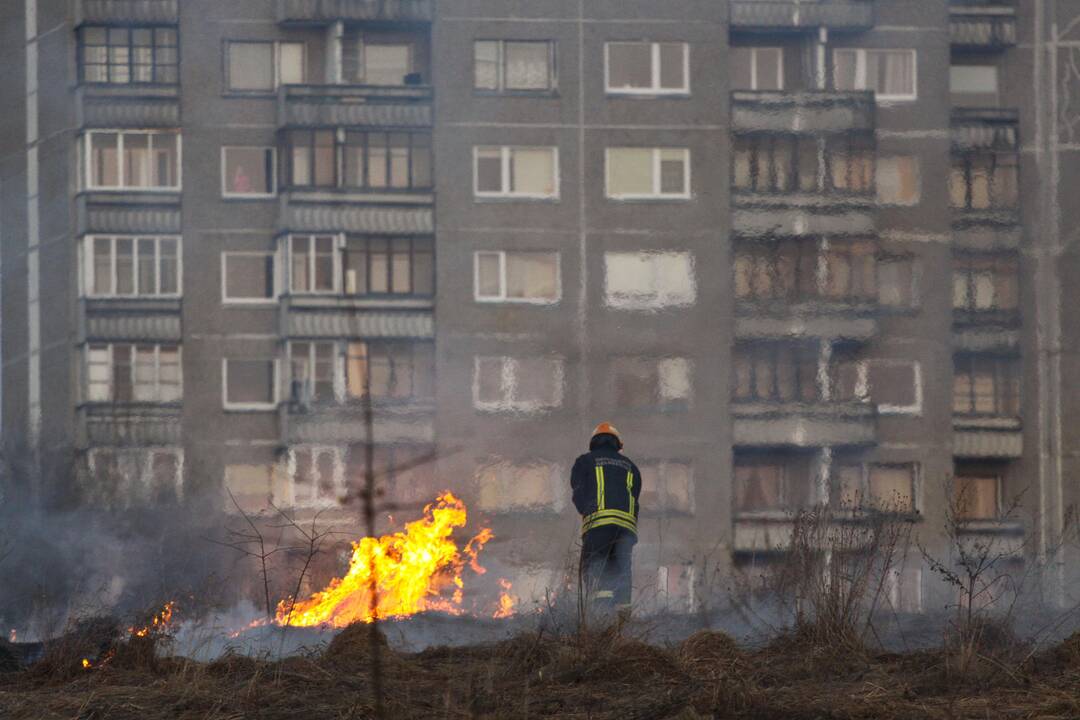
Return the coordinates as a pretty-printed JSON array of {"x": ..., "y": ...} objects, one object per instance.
[{"x": 847, "y": 276}]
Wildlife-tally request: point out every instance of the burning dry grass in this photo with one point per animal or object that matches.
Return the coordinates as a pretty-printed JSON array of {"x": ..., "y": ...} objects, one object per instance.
[{"x": 598, "y": 674}]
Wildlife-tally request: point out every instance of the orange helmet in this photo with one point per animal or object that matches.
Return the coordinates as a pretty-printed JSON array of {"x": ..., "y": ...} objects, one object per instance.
[{"x": 606, "y": 428}]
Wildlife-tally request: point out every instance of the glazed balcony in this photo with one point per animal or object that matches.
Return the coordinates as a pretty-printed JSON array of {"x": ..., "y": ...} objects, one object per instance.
[
  {"x": 329, "y": 11},
  {"x": 806, "y": 111},
  {"x": 982, "y": 24},
  {"x": 801, "y": 15},
  {"x": 124, "y": 12}
]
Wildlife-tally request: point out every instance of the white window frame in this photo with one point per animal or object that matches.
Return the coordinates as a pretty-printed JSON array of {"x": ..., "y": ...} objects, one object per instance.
[
  {"x": 249, "y": 196},
  {"x": 337, "y": 367},
  {"x": 502, "y": 296},
  {"x": 88, "y": 268},
  {"x": 88, "y": 157},
  {"x": 339, "y": 244},
  {"x": 754, "y": 50},
  {"x": 250, "y": 406},
  {"x": 275, "y": 70},
  {"x": 274, "y": 278},
  {"x": 340, "y": 481},
  {"x": 860, "y": 71},
  {"x": 915, "y": 408},
  {"x": 510, "y": 368},
  {"x": 506, "y": 151},
  {"x": 500, "y": 70},
  {"x": 110, "y": 350},
  {"x": 662, "y": 577},
  {"x": 656, "y": 194},
  {"x": 655, "y": 88}
]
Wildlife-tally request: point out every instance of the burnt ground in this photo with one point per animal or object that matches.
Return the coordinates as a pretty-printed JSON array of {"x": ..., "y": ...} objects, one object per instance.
[{"x": 537, "y": 674}]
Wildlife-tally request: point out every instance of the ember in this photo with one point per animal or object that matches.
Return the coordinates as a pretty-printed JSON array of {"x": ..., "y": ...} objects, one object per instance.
[{"x": 412, "y": 569}]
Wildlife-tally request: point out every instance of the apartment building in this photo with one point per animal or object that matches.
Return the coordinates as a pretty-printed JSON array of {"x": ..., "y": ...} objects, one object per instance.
[{"x": 800, "y": 251}]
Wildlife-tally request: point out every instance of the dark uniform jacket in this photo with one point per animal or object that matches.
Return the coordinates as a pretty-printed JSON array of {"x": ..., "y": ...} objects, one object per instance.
[{"x": 606, "y": 486}]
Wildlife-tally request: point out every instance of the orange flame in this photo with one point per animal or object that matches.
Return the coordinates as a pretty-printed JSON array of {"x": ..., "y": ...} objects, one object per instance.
[
  {"x": 157, "y": 623},
  {"x": 85, "y": 664},
  {"x": 506, "y": 600},
  {"x": 411, "y": 567}
]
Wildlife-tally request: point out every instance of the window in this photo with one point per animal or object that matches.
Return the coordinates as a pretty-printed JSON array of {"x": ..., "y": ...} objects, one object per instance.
[
  {"x": 128, "y": 266},
  {"x": 675, "y": 586},
  {"x": 526, "y": 277},
  {"x": 392, "y": 370},
  {"x": 514, "y": 66},
  {"x": 898, "y": 180},
  {"x": 263, "y": 66},
  {"x": 984, "y": 181},
  {"x": 892, "y": 487},
  {"x": 388, "y": 266},
  {"x": 248, "y": 172},
  {"x": 763, "y": 485},
  {"x": 898, "y": 278},
  {"x": 889, "y": 73},
  {"x": 662, "y": 384},
  {"x": 986, "y": 385},
  {"x": 385, "y": 64},
  {"x": 851, "y": 163},
  {"x": 645, "y": 68},
  {"x": 387, "y": 161},
  {"x": 902, "y": 588},
  {"x": 251, "y": 486},
  {"x": 776, "y": 372},
  {"x": 977, "y": 496},
  {"x": 126, "y": 373},
  {"x": 518, "y": 384},
  {"x": 982, "y": 282},
  {"x": 124, "y": 55},
  {"x": 312, "y": 263},
  {"x": 800, "y": 270},
  {"x": 648, "y": 173},
  {"x": 648, "y": 280},
  {"x": 247, "y": 277},
  {"x": 317, "y": 476},
  {"x": 895, "y": 386},
  {"x": 132, "y": 477},
  {"x": 526, "y": 172},
  {"x": 769, "y": 163},
  {"x": 756, "y": 68},
  {"x": 974, "y": 84},
  {"x": 249, "y": 383},
  {"x": 667, "y": 487},
  {"x": 507, "y": 485},
  {"x": 133, "y": 160},
  {"x": 311, "y": 371},
  {"x": 313, "y": 158}
]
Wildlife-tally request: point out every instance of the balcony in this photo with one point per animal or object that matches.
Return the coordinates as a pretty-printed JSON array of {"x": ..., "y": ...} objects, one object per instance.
[
  {"x": 143, "y": 319},
  {"x": 377, "y": 214},
  {"x": 771, "y": 531},
  {"x": 985, "y": 129},
  {"x": 344, "y": 424},
  {"x": 982, "y": 24},
  {"x": 811, "y": 215},
  {"x": 987, "y": 437},
  {"x": 822, "y": 318},
  {"x": 355, "y": 106},
  {"x": 802, "y": 112},
  {"x": 328, "y": 11},
  {"x": 127, "y": 106},
  {"x": 335, "y": 316},
  {"x": 128, "y": 212},
  {"x": 818, "y": 424},
  {"x": 123, "y": 12},
  {"x": 130, "y": 425},
  {"x": 774, "y": 15},
  {"x": 1006, "y": 537}
]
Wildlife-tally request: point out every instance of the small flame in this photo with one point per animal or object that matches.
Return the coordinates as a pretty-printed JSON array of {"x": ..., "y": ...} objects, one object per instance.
[
  {"x": 506, "y": 600},
  {"x": 11, "y": 635},
  {"x": 85, "y": 664},
  {"x": 158, "y": 622},
  {"x": 412, "y": 568}
]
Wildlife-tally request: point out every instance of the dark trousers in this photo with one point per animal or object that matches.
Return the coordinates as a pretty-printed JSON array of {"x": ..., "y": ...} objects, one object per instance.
[{"x": 605, "y": 565}]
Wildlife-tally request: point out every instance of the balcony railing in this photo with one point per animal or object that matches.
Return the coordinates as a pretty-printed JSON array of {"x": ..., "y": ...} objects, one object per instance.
[
  {"x": 130, "y": 425},
  {"x": 804, "y": 425},
  {"x": 406, "y": 106},
  {"x": 981, "y": 27},
  {"x": 775, "y": 15},
  {"x": 985, "y": 129},
  {"x": 801, "y": 112},
  {"x": 150, "y": 12},
  {"x": 323, "y": 11}
]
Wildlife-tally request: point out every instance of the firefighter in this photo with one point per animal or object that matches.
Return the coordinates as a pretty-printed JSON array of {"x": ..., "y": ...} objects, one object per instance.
[{"x": 606, "y": 486}]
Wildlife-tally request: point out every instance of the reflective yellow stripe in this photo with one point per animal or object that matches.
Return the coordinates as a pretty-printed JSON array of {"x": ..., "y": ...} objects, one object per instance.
[
  {"x": 609, "y": 517},
  {"x": 599, "y": 487},
  {"x": 601, "y": 522},
  {"x": 630, "y": 489}
]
